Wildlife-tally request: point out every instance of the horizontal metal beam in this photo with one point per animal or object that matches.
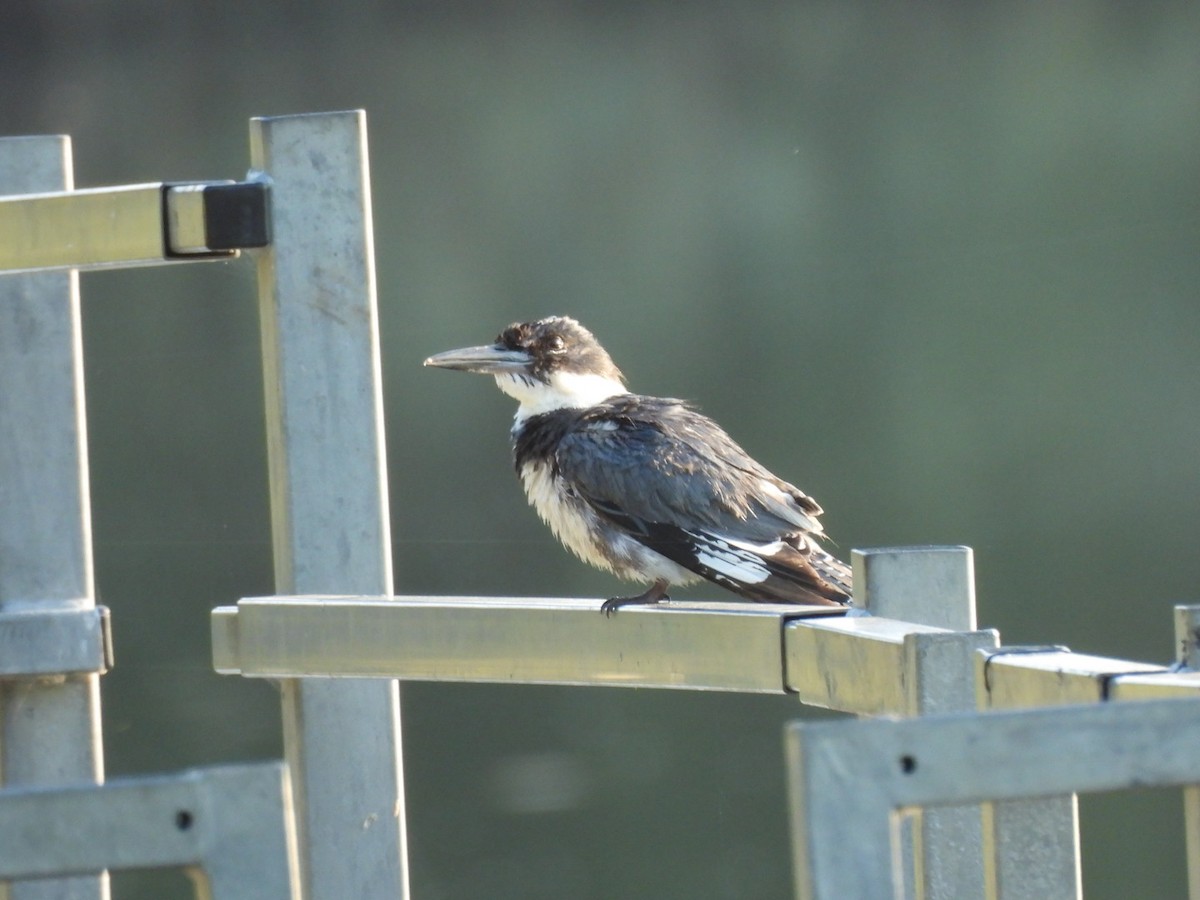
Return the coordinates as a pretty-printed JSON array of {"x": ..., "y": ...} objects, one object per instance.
[
  {"x": 1023, "y": 677},
  {"x": 853, "y": 663},
  {"x": 131, "y": 225},
  {"x": 696, "y": 646},
  {"x": 230, "y": 826},
  {"x": 37, "y": 642},
  {"x": 849, "y": 780},
  {"x": 1020, "y": 678},
  {"x": 850, "y": 663},
  {"x": 1154, "y": 686}
]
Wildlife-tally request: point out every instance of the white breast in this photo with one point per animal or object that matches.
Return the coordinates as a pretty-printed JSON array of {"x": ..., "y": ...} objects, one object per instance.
[
  {"x": 579, "y": 528},
  {"x": 571, "y": 520}
]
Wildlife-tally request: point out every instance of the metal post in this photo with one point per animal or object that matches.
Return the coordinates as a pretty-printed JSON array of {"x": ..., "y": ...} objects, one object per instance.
[
  {"x": 1032, "y": 846},
  {"x": 49, "y": 728},
  {"x": 1187, "y": 643},
  {"x": 943, "y": 848},
  {"x": 329, "y": 504}
]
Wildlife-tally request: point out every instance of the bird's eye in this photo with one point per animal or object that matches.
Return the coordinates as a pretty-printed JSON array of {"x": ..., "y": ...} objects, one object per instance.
[{"x": 555, "y": 343}]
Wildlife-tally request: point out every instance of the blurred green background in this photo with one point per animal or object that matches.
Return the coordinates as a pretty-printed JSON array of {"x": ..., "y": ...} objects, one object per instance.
[{"x": 937, "y": 264}]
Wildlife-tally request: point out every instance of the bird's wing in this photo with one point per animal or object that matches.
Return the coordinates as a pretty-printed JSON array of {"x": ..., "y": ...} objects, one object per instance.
[
  {"x": 673, "y": 480},
  {"x": 660, "y": 460}
]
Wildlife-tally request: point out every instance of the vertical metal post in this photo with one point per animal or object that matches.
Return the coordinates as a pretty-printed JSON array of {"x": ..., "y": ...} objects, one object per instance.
[
  {"x": 50, "y": 728},
  {"x": 1187, "y": 643},
  {"x": 943, "y": 848},
  {"x": 1031, "y": 846},
  {"x": 842, "y": 846},
  {"x": 329, "y": 504}
]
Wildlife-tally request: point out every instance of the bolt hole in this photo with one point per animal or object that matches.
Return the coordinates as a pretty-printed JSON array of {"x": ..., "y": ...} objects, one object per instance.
[
  {"x": 908, "y": 764},
  {"x": 183, "y": 820}
]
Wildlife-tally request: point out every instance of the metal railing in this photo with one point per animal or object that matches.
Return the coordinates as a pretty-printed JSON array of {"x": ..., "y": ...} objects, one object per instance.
[
  {"x": 331, "y": 823},
  {"x": 869, "y": 665}
]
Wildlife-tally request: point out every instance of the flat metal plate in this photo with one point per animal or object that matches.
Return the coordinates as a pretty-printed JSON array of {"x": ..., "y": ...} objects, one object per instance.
[{"x": 698, "y": 646}]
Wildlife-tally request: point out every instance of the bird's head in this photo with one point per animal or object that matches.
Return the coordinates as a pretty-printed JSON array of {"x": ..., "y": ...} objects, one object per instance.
[{"x": 553, "y": 363}]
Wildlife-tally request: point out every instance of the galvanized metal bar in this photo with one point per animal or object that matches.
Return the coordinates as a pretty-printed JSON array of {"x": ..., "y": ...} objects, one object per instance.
[
  {"x": 1154, "y": 686},
  {"x": 854, "y": 777},
  {"x": 1046, "y": 864},
  {"x": 1018, "y": 678},
  {"x": 130, "y": 225},
  {"x": 230, "y": 826},
  {"x": 78, "y": 229},
  {"x": 948, "y": 842},
  {"x": 850, "y": 663},
  {"x": 933, "y": 586},
  {"x": 329, "y": 504},
  {"x": 40, "y": 643},
  {"x": 1034, "y": 844},
  {"x": 49, "y": 728},
  {"x": 697, "y": 646},
  {"x": 842, "y": 846},
  {"x": 927, "y": 585}
]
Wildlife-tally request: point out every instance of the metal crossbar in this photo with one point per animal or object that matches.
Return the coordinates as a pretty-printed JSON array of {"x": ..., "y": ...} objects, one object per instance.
[
  {"x": 229, "y": 827},
  {"x": 131, "y": 225}
]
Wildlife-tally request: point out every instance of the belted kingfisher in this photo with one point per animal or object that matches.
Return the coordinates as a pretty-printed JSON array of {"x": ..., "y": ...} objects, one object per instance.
[{"x": 647, "y": 487}]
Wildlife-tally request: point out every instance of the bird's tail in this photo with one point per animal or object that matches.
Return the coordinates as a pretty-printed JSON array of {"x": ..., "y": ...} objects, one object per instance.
[
  {"x": 804, "y": 573},
  {"x": 834, "y": 572}
]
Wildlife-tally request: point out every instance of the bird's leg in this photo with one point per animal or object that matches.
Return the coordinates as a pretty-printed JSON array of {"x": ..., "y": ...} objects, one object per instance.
[{"x": 656, "y": 593}]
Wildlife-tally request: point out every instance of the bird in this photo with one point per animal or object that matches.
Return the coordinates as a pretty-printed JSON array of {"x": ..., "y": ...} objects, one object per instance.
[{"x": 648, "y": 488}]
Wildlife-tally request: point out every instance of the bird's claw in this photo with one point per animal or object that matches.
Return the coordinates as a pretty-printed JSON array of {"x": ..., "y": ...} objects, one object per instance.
[{"x": 656, "y": 593}]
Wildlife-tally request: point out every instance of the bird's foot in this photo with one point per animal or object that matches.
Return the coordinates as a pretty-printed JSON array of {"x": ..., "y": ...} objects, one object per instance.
[{"x": 656, "y": 593}]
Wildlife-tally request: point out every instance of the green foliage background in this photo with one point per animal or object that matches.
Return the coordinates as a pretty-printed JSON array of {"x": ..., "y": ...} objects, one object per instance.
[{"x": 935, "y": 263}]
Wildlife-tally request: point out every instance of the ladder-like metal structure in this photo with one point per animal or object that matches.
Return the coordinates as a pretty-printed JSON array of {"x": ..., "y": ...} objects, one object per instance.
[
  {"x": 305, "y": 212},
  {"x": 946, "y": 803}
]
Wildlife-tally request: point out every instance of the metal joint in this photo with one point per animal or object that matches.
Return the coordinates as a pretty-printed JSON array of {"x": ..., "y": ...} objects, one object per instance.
[
  {"x": 132, "y": 225},
  {"x": 214, "y": 218},
  {"x": 1017, "y": 650},
  {"x": 230, "y": 828},
  {"x": 39, "y": 643}
]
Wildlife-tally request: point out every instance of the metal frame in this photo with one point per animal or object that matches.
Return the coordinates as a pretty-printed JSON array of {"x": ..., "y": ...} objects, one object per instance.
[
  {"x": 307, "y": 209},
  {"x": 862, "y": 664},
  {"x": 308, "y": 205},
  {"x": 867, "y": 665},
  {"x": 851, "y": 782},
  {"x": 709, "y": 646},
  {"x": 229, "y": 827},
  {"x": 49, "y": 719}
]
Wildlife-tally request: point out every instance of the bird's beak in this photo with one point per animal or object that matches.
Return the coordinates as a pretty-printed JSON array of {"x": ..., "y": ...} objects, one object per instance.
[{"x": 489, "y": 360}]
